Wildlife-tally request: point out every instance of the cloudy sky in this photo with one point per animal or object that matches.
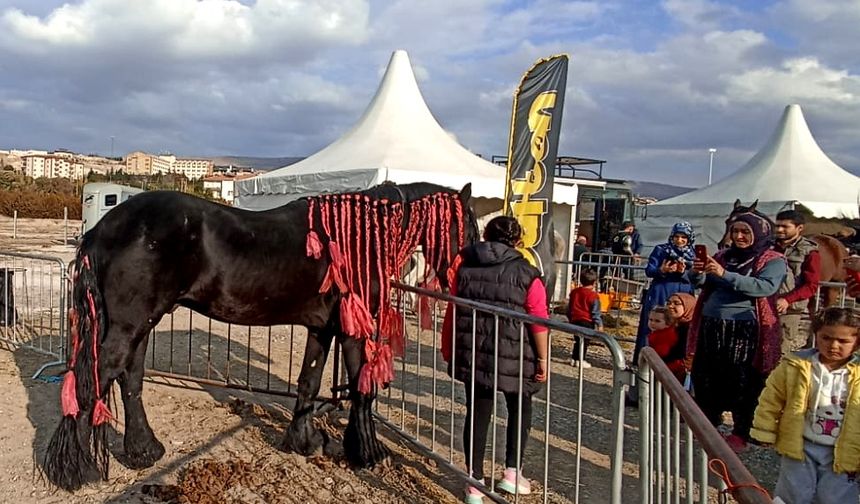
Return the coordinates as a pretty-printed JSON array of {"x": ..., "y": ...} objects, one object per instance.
[{"x": 652, "y": 85}]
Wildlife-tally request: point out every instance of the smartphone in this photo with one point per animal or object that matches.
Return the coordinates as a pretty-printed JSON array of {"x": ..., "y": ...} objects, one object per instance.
[{"x": 701, "y": 253}]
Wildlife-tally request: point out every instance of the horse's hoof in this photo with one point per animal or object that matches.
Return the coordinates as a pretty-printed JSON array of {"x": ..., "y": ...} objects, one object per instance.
[
  {"x": 143, "y": 456},
  {"x": 304, "y": 440},
  {"x": 365, "y": 454}
]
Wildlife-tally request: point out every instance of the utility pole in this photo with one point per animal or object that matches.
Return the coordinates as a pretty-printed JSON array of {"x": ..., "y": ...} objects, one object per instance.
[{"x": 111, "y": 146}]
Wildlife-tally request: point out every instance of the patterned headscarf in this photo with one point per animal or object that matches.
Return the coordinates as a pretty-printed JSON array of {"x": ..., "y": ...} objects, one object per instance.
[
  {"x": 685, "y": 253},
  {"x": 740, "y": 260}
]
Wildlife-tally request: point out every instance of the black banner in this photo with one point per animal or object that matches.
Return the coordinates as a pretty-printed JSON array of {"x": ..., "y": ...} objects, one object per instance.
[{"x": 532, "y": 151}]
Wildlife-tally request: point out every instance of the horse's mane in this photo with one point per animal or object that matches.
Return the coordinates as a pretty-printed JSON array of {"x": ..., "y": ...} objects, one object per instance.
[{"x": 366, "y": 238}]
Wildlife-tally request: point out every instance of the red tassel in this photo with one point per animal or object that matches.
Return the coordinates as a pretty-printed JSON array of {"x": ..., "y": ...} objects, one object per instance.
[
  {"x": 391, "y": 328},
  {"x": 101, "y": 413},
  {"x": 378, "y": 368},
  {"x": 69, "y": 396},
  {"x": 314, "y": 246},
  {"x": 365, "y": 380},
  {"x": 355, "y": 318}
]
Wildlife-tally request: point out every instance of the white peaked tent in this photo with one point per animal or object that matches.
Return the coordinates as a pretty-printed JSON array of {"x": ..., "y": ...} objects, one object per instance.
[
  {"x": 397, "y": 139},
  {"x": 791, "y": 169}
]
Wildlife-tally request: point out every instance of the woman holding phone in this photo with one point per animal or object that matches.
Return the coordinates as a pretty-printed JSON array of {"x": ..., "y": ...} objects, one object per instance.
[
  {"x": 734, "y": 337},
  {"x": 669, "y": 267}
]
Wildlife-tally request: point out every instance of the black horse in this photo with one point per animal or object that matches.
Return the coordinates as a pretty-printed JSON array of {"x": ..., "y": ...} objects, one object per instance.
[{"x": 163, "y": 249}]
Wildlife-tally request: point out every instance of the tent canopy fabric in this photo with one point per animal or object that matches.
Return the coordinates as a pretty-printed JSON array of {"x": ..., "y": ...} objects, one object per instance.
[
  {"x": 791, "y": 169},
  {"x": 397, "y": 139}
]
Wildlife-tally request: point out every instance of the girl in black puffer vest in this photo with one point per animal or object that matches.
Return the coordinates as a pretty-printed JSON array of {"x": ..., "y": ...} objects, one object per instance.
[{"x": 494, "y": 272}]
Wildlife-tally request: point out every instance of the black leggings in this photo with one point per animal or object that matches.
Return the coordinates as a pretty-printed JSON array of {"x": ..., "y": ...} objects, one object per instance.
[{"x": 483, "y": 411}]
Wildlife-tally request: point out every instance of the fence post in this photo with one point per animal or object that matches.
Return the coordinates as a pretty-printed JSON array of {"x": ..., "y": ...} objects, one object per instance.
[
  {"x": 644, "y": 385},
  {"x": 65, "y": 226},
  {"x": 15, "y": 225}
]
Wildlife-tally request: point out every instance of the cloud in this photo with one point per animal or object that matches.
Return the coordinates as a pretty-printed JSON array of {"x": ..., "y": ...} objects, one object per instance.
[
  {"x": 700, "y": 14},
  {"x": 797, "y": 80},
  {"x": 187, "y": 29},
  {"x": 651, "y": 86}
]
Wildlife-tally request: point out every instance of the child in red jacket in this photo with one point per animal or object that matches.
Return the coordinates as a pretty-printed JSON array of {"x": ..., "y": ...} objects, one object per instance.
[
  {"x": 664, "y": 339},
  {"x": 584, "y": 310}
]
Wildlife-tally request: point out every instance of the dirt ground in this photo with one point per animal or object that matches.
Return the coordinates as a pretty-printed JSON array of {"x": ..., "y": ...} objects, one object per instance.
[{"x": 221, "y": 444}]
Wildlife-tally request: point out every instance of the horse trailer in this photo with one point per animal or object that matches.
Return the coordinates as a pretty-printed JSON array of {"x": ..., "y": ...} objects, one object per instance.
[{"x": 99, "y": 198}]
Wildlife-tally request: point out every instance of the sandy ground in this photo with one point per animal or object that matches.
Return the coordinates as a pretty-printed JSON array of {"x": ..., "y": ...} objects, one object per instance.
[{"x": 222, "y": 443}]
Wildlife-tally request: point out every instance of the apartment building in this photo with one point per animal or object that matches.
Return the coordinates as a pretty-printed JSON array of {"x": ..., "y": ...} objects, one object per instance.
[
  {"x": 193, "y": 168},
  {"x": 141, "y": 163},
  {"x": 53, "y": 166}
]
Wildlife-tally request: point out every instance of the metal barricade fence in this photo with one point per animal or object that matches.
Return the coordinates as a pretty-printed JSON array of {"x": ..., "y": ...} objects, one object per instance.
[
  {"x": 622, "y": 282},
  {"x": 188, "y": 346},
  {"x": 665, "y": 476},
  {"x": 33, "y": 304},
  {"x": 840, "y": 296},
  {"x": 427, "y": 407}
]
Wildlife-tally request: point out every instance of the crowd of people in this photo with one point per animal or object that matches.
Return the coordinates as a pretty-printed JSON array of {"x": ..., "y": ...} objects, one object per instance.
[
  {"x": 740, "y": 347},
  {"x": 728, "y": 325}
]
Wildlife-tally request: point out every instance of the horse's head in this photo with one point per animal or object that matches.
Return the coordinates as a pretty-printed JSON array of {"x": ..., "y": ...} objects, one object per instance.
[
  {"x": 460, "y": 230},
  {"x": 738, "y": 209}
]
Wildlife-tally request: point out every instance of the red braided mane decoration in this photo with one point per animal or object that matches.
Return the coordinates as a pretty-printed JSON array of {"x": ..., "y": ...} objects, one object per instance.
[{"x": 366, "y": 242}]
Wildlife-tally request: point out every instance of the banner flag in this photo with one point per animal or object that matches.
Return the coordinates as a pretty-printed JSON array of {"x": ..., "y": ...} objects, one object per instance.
[{"x": 532, "y": 151}]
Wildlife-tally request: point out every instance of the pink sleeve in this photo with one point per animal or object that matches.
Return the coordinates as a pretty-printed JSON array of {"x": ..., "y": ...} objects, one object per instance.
[{"x": 536, "y": 304}]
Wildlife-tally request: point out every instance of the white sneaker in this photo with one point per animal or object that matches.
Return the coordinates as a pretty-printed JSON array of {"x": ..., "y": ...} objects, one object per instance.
[
  {"x": 576, "y": 363},
  {"x": 513, "y": 483}
]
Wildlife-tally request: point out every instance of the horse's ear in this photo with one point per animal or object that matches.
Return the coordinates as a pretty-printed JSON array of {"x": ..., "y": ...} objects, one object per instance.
[
  {"x": 466, "y": 193},
  {"x": 752, "y": 207},
  {"x": 737, "y": 204}
]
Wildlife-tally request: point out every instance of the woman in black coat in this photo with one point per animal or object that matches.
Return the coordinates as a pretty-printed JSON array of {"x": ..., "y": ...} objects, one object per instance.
[{"x": 494, "y": 272}]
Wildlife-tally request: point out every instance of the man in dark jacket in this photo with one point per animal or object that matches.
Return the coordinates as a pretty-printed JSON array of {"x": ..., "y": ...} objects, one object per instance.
[{"x": 494, "y": 272}]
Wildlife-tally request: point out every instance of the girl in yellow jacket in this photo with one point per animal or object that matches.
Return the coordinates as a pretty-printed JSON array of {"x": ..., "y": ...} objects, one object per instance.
[{"x": 810, "y": 411}]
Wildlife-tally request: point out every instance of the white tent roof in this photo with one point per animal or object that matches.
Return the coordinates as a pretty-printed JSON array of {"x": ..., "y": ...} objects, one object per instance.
[
  {"x": 396, "y": 139},
  {"x": 791, "y": 168}
]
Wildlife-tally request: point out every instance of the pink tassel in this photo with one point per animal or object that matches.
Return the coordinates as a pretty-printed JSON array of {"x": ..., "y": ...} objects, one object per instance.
[
  {"x": 355, "y": 318},
  {"x": 101, "y": 413},
  {"x": 365, "y": 382},
  {"x": 391, "y": 328},
  {"x": 365, "y": 378},
  {"x": 69, "y": 396},
  {"x": 314, "y": 246}
]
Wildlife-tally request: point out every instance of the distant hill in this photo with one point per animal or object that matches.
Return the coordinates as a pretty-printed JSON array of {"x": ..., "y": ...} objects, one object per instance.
[
  {"x": 257, "y": 163},
  {"x": 657, "y": 190}
]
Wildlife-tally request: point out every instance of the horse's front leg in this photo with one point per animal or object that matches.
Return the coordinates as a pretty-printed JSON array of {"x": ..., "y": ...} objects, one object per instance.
[
  {"x": 360, "y": 443},
  {"x": 142, "y": 448},
  {"x": 301, "y": 436}
]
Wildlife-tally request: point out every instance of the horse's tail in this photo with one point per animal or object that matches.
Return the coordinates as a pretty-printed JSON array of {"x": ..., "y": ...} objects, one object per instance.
[{"x": 78, "y": 452}]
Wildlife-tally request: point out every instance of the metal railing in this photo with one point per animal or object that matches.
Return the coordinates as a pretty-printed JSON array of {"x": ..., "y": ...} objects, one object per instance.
[
  {"x": 622, "y": 281},
  {"x": 426, "y": 406},
  {"x": 841, "y": 295},
  {"x": 33, "y": 304},
  {"x": 665, "y": 476},
  {"x": 192, "y": 347}
]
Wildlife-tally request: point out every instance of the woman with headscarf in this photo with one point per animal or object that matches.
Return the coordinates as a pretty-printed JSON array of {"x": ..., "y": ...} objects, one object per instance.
[
  {"x": 734, "y": 338},
  {"x": 669, "y": 267}
]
